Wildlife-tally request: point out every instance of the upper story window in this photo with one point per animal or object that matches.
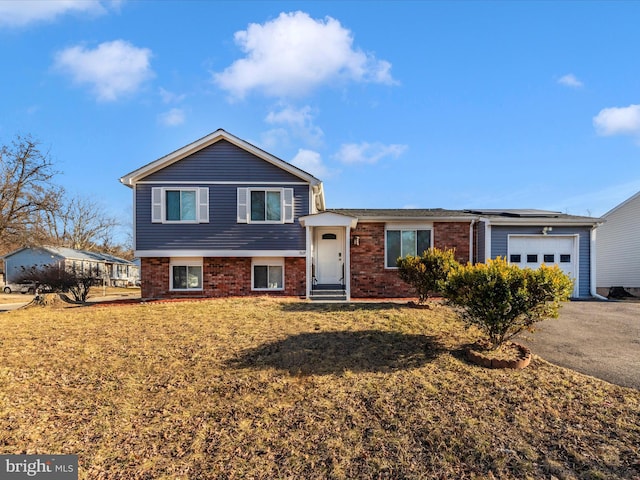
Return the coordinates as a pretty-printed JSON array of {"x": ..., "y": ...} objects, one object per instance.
[
  {"x": 265, "y": 205},
  {"x": 400, "y": 242},
  {"x": 179, "y": 205}
]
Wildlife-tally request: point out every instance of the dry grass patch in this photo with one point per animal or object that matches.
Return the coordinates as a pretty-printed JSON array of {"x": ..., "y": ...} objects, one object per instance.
[{"x": 266, "y": 388}]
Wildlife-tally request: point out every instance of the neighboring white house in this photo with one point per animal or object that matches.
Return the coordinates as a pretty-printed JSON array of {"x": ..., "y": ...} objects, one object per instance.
[
  {"x": 115, "y": 271},
  {"x": 618, "y": 248}
]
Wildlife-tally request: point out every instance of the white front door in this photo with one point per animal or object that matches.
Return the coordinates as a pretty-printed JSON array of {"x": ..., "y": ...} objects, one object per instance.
[{"x": 329, "y": 255}]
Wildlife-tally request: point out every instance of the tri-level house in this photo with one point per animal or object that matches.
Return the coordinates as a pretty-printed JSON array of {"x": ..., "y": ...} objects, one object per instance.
[{"x": 221, "y": 217}]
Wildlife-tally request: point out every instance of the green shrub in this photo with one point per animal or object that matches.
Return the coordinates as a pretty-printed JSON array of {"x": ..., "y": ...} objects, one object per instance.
[
  {"x": 502, "y": 300},
  {"x": 427, "y": 273}
]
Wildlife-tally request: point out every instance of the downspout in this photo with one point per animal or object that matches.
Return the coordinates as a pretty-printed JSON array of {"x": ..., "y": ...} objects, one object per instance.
[
  {"x": 471, "y": 238},
  {"x": 487, "y": 240},
  {"x": 309, "y": 262},
  {"x": 593, "y": 278},
  {"x": 347, "y": 264}
]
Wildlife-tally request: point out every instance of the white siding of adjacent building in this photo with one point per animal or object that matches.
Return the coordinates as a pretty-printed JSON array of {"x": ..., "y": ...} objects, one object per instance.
[{"x": 618, "y": 246}]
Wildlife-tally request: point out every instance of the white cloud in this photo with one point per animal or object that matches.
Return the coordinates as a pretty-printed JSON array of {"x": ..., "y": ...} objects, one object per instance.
[
  {"x": 368, "y": 153},
  {"x": 294, "y": 53},
  {"x": 298, "y": 122},
  {"x": 172, "y": 118},
  {"x": 618, "y": 121},
  {"x": 112, "y": 69},
  {"x": 275, "y": 137},
  {"x": 570, "y": 80},
  {"x": 19, "y": 13},
  {"x": 311, "y": 162},
  {"x": 291, "y": 116},
  {"x": 170, "y": 97}
]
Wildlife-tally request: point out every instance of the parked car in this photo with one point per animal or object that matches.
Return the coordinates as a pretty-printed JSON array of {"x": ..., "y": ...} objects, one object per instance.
[{"x": 21, "y": 287}]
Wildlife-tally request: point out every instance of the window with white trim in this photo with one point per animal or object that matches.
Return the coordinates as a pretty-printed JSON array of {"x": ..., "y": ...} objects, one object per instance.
[
  {"x": 265, "y": 205},
  {"x": 180, "y": 205},
  {"x": 400, "y": 242},
  {"x": 185, "y": 274},
  {"x": 267, "y": 274}
]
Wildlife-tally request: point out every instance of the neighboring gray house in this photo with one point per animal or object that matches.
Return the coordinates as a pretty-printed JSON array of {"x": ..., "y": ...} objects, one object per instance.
[
  {"x": 618, "y": 258},
  {"x": 221, "y": 217},
  {"x": 115, "y": 271}
]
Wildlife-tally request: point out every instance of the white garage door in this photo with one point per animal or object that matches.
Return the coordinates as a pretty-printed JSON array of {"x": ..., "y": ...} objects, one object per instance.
[{"x": 532, "y": 251}]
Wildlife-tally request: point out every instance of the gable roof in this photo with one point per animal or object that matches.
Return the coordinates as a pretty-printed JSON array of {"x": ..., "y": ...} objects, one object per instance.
[
  {"x": 72, "y": 254},
  {"x": 131, "y": 178},
  {"x": 329, "y": 218}
]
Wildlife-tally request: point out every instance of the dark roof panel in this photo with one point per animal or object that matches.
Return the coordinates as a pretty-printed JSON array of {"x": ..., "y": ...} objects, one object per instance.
[
  {"x": 418, "y": 213},
  {"x": 400, "y": 212}
]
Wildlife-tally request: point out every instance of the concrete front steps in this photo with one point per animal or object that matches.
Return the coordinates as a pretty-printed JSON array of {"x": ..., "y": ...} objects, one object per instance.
[{"x": 329, "y": 293}]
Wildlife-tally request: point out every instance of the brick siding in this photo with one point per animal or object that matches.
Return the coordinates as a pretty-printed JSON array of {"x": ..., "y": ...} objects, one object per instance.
[
  {"x": 370, "y": 278},
  {"x": 453, "y": 235},
  {"x": 222, "y": 277}
]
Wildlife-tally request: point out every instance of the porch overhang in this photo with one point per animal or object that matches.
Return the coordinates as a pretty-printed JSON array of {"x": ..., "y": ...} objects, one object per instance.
[{"x": 328, "y": 219}]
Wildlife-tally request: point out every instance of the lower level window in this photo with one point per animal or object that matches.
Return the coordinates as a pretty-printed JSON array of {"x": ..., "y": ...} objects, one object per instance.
[
  {"x": 268, "y": 274},
  {"x": 186, "y": 276}
]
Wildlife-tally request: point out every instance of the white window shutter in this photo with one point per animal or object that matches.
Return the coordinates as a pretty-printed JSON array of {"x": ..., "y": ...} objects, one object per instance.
[
  {"x": 156, "y": 205},
  {"x": 203, "y": 205},
  {"x": 288, "y": 205},
  {"x": 243, "y": 209}
]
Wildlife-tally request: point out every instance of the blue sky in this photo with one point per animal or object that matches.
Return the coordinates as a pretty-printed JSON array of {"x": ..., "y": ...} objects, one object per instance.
[{"x": 392, "y": 104}]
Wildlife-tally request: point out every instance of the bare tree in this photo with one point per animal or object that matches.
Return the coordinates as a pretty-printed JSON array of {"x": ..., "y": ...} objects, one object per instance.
[
  {"x": 26, "y": 190},
  {"x": 80, "y": 223}
]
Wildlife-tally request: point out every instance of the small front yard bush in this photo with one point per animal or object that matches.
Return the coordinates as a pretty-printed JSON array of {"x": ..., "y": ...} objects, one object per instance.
[
  {"x": 427, "y": 273},
  {"x": 55, "y": 278},
  {"x": 502, "y": 299}
]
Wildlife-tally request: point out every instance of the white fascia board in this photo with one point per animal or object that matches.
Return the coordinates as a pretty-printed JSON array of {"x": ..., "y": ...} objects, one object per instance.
[
  {"x": 196, "y": 182},
  {"x": 131, "y": 178},
  {"x": 220, "y": 253}
]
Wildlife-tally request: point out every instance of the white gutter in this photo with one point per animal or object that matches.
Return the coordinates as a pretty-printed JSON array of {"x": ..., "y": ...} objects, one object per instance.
[{"x": 592, "y": 287}]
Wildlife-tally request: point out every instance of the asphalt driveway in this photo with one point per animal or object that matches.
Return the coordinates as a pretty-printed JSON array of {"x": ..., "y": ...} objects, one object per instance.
[{"x": 598, "y": 338}]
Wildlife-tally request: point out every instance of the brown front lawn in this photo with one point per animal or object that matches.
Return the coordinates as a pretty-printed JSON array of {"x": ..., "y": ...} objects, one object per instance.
[{"x": 266, "y": 388}]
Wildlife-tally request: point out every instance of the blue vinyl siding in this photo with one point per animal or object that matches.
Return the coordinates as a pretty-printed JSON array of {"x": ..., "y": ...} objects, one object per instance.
[
  {"x": 499, "y": 246},
  {"x": 222, "y": 162},
  {"x": 222, "y": 232}
]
